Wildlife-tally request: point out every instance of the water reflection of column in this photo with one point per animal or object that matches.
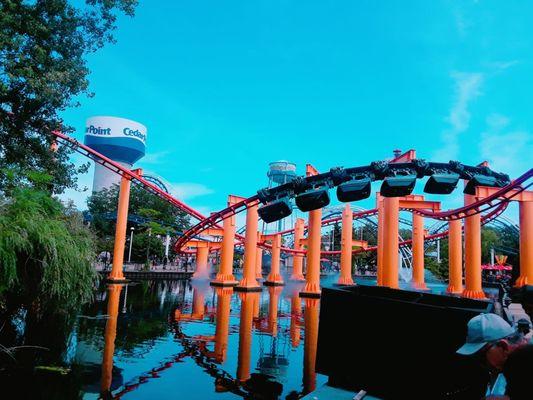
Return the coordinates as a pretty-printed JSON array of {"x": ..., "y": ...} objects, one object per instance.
[
  {"x": 273, "y": 292},
  {"x": 296, "y": 312},
  {"x": 222, "y": 322},
  {"x": 245, "y": 334},
  {"x": 113, "y": 300},
  {"x": 310, "y": 343}
]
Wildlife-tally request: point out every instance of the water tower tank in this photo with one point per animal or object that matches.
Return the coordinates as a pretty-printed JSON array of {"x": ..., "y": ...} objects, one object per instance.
[
  {"x": 281, "y": 172},
  {"x": 120, "y": 139}
]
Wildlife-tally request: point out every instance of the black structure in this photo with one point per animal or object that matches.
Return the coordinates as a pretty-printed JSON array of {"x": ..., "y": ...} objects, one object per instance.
[{"x": 395, "y": 344}]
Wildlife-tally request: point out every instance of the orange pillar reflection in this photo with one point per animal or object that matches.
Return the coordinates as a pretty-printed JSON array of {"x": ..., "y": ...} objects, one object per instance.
[
  {"x": 526, "y": 244},
  {"x": 117, "y": 274},
  {"x": 248, "y": 281},
  {"x": 418, "y": 281},
  {"x": 222, "y": 322},
  {"x": 225, "y": 275},
  {"x": 312, "y": 279},
  {"x": 455, "y": 257},
  {"x": 297, "y": 261},
  {"x": 345, "y": 277},
  {"x": 473, "y": 288},
  {"x": 274, "y": 278},
  {"x": 391, "y": 211},
  {"x": 310, "y": 344},
  {"x": 274, "y": 292},
  {"x": 113, "y": 300},
  {"x": 245, "y": 335},
  {"x": 296, "y": 312},
  {"x": 202, "y": 256},
  {"x": 381, "y": 212}
]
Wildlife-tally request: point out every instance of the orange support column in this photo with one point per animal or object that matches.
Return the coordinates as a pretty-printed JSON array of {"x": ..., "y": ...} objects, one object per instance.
[
  {"x": 113, "y": 300},
  {"x": 117, "y": 274},
  {"x": 381, "y": 212},
  {"x": 297, "y": 263},
  {"x": 312, "y": 279},
  {"x": 418, "y": 281},
  {"x": 526, "y": 244},
  {"x": 310, "y": 344},
  {"x": 391, "y": 211},
  {"x": 345, "y": 277},
  {"x": 259, "y": 261},
  {"x": 222, "y": 323},
  {"x": 225, "y": 275},
  {"x": 274, "y": 278},
  {"x": 245, "y": 335},
  {"x": 248, "y": 281},
  {"x": 273, "y": 292},
  {"x": 202, "y": 255},
  {"x": 473, "y": 288},
  {"x": 455, "y": 257}
]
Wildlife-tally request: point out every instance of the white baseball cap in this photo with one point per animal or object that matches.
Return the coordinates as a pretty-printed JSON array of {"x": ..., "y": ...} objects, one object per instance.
[{"x": 483, "y": 329}]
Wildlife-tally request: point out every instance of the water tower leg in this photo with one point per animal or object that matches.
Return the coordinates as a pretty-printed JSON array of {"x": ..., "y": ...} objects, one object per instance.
[
  {"x": 248, "y": 281},
  {"x": 312, "y": 279},
  {"x": 274, "y": 278},
  {"x": 455, "y": 257},
  {"x": 345, "y": 277},
  {"x": 117, "y": 274}
]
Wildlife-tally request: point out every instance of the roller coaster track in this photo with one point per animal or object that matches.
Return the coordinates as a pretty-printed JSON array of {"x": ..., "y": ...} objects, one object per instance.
[{"x": 504, "y": 195}]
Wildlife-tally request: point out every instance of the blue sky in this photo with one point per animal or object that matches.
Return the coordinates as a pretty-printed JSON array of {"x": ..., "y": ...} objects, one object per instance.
[{"x": 226, "y": 87}]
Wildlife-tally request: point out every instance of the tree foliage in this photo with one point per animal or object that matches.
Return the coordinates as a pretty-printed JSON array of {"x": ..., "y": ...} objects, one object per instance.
[
  {"x": 149, "y": 214},
  {"x": 42, "y": 67},
  {"x": 45, "y": 251}
]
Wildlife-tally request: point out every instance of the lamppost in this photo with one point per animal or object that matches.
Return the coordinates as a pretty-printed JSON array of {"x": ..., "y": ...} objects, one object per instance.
[{"x": 131, "y": 242}]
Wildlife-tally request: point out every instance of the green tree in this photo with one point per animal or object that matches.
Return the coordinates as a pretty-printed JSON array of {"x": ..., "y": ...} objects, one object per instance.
[
  {"x": 43, "y": 44},
  {"x": 152, "y": 214},
  {"x": 45, "y": 252}
]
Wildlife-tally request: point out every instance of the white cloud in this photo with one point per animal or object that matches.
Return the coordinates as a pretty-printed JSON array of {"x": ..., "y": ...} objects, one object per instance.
[
  {"x": 507, "y": 150},
  {"x": 187, "y": 190},
  {"x": 155, "y": 158},
  {"x": 467, "y": 89}
]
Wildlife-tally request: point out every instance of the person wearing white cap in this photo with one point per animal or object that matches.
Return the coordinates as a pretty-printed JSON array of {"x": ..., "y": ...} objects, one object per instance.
[{"x": 491, "y": 339}]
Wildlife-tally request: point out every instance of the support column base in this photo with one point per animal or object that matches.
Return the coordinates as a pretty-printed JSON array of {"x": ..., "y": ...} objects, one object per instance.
[
  {"x": 345, "y": 281},
  {"x": 419, "y": 285},
  {"x": 116, "y": 279},
  {"x": 311, "y": 290},
  {"x": 474, "y": 294},
  {"x": 246, "y": 285},
  {"x": 248, "y": 289},
  {"x": 274, "y": 280},
  {"x": 451, "y": 289},
  {"x": 521, "y": 281},
  {"x": 224, "y": 280}
]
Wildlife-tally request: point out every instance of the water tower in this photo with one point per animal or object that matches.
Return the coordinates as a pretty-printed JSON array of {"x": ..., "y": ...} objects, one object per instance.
[
  {"x": 280, "y": 172},
  {"x": 120, "y": 139}
]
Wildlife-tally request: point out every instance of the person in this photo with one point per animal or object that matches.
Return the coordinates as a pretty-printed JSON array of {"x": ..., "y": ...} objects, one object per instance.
[
  {"x": 490, "y": 340},
  {"x": 517, "y": 372}
]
